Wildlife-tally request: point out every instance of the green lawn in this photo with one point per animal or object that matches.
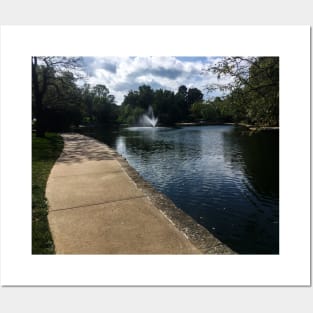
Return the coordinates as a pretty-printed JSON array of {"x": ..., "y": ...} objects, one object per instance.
[{"x": 45, "y": 151}]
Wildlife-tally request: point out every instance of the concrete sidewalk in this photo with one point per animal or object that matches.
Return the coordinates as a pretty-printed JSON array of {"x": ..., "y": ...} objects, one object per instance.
[{"x": 96, "y": 208}]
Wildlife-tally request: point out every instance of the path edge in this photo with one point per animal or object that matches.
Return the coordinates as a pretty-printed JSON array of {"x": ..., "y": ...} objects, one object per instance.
[{"x": 198, "y": 235}]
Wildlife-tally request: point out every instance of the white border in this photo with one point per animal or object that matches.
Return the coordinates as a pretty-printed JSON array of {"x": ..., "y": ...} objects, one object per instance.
[{"x": 291, "y": 267}]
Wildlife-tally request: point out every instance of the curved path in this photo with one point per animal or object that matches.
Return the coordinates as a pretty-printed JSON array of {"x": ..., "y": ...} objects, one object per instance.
[{"x": 96, "y": 208}]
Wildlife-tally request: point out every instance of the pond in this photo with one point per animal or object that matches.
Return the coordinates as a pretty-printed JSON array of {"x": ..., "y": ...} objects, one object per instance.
[{"x": 224, "y": 176}]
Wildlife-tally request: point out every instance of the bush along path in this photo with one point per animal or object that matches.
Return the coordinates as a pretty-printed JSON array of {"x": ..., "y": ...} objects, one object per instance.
[{"x": 45, "y": 151}]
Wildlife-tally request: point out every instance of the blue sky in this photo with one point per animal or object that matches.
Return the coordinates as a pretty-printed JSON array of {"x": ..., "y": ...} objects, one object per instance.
[{"x": 121, "y": 74}]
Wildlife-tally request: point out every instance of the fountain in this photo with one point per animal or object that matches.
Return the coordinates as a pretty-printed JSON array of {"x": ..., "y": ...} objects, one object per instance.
[{"x": 148, "y": 119}]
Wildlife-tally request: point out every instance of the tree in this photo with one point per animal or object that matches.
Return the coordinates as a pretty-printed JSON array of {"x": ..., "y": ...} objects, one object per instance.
[
  {"x": 99, "y": 105},
  {"x": 136, "y": 103},
  {"x": 181, "y": 102},
  {"x": 207, "y": 111},
  {"x": 131, "y": 99},
  {"x": 193, "y": 95},
  {"x": 165, "y": 107},
  {"x": 252, "y": 83},
  {"x": 87, "y": 98},
  {"x": 168, "y": 106},
  {"x": 264, "y": 90},
  {"x": 104, "y": 107},
  {"x": 146, "y": 95},
  {"x": 185, "y": 98},
  {"x": 63, "y": 105},
  {"x": 45, "y": 70}
]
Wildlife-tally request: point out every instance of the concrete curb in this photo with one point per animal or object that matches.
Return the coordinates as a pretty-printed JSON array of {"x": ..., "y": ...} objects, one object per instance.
[
  {"x": 198, "y": 235},
  {"x": 99, "y": 204}
]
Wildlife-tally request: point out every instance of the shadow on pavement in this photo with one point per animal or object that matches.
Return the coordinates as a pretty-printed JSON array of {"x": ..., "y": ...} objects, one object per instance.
[{"x": 78, "y": 148}]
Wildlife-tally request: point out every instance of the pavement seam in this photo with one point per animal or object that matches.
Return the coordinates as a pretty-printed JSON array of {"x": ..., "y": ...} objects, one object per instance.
[
  {"x": 94, "y": 204},
  {"x": 63, "y": 224}
]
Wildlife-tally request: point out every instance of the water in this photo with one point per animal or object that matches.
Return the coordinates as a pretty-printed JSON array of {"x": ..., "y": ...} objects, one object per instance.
[
  {"x": 224, "y": 177},
  {"x": 148, "y": 119}
]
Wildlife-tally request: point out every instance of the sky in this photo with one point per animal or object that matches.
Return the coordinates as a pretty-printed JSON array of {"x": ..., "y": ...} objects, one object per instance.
[{"x": 122, "y": 74}]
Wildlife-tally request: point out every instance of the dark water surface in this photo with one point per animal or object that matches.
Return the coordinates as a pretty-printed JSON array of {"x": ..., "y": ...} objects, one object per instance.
[{"x": 226, "y": 178}]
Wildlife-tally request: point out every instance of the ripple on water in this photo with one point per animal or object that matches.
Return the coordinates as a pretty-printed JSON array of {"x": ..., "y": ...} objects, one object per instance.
[{"x": 216, "y": 175}]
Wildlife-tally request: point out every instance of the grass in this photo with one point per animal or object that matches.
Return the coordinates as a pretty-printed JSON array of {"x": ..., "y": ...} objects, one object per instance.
[{"x": 45, "y": 151}]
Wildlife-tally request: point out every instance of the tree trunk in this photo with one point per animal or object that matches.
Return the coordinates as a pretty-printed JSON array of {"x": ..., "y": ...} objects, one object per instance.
[{"x": 40, "y": 127}]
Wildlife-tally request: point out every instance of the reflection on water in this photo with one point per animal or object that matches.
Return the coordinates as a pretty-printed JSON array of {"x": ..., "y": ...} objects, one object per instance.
[{"x": 224, "y": 177}]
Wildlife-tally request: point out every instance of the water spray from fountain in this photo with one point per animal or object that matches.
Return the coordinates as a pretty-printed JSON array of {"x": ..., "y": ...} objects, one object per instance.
[{"x": 148, "y": 119}]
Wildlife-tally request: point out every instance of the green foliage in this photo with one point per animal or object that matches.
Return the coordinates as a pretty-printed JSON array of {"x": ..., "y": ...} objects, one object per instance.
[
  {"x": 165, "y": 107},
  {"x": 59, "y": 103},
  {"x": 168, "y": 106},
  {"x": 62, "y": 103},
  {"x": 53, "y": 90},
  {"x": 130, "y": 115},
  {"x": 263, "y": 91},
  {"x": 146, "y": 96},
  {"x": 253, "y": 86},
  {"x": 205, "y": 111},
  {"x": 44, "y": 153},
  {"x": 181, "y": 103},
  {"x": 215, "y": 111},
  {"x": 100, "y": 105}
]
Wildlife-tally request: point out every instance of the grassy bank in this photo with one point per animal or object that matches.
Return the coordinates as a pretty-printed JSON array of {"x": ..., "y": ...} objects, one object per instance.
[{"x": 45, "y": 151}]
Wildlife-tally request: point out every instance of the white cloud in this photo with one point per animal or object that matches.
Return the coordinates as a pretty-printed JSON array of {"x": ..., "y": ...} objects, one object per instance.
[{"x": 121, "y": 74}]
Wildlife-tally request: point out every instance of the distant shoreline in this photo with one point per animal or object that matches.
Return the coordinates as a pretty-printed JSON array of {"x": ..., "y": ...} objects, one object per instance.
[
  {"x": 250, "y": 127},
  {"x": 183, "y": 124}
]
